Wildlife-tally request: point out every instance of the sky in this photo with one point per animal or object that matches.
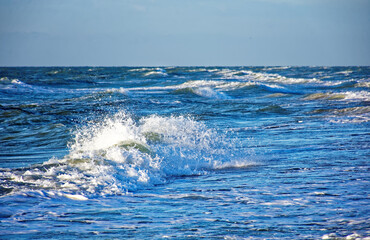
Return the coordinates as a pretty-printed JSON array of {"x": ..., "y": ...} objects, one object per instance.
[{"x": 184, "y": 32}]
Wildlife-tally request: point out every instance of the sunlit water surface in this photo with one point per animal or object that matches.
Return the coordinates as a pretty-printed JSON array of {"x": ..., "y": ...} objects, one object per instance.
[{"x": 185, "y": 153}]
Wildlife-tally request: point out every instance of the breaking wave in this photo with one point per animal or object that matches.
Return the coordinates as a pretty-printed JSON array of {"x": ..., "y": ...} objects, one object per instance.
[
  {"x": 349, "y": 96},
  {"x": 215, "y": 89},
  {"x": 121, "y": 154}
]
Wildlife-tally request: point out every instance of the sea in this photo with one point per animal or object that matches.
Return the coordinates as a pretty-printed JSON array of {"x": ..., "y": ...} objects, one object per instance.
[{"x": 185, "y": 152}]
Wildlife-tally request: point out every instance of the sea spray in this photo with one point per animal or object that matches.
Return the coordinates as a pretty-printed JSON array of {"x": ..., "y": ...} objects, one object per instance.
[{"x": 120, "y": 154}]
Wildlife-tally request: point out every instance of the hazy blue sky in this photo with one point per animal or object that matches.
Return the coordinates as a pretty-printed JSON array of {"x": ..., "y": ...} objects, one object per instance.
[{"x": 186, "y": 32}]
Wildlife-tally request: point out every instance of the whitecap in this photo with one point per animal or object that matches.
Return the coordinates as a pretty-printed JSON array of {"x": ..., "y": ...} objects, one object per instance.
[
  {"x": 121, "y": 154},
  {"x": 247, "y": 75},
  {"x": 210, "y": 93},
  {"x": 76, "y": 197},
  {"x": 122, "y": 90},
  {"x": 156, "y": 72},
  {"x": 343, "y": 96}
]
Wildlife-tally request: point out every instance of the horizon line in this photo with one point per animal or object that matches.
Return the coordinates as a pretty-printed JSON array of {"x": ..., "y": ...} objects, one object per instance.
[{"x": 173, "y": 66}]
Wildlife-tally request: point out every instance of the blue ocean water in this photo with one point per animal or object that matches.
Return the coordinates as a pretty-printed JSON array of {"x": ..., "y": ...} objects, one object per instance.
[{"x": 185, "y": 153}]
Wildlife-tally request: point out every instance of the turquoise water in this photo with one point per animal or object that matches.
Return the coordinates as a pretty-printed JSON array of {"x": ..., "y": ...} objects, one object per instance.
[{"x": 185, "y": 153}]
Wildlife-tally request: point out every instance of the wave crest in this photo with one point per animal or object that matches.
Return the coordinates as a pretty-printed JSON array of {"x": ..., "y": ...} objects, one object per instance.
[{"x": 120, "y": 154}]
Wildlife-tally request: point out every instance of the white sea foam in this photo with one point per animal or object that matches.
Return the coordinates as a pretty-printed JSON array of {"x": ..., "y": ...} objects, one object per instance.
[
  {"x": 361, "y": 95},
  {"x": 350, "y": 115},
  {"x": 353, "y": 236},
  {"x": 276, "y": 68},
  {"x": 156, "y": 72},
  {"x": 18, "y": 85},
  {"x": 118, "y": 90},
  {"x": 212, "y": 88},
  {"x": 247, "y": 75},
  {"x": 232, "y": 80},
  {"x": 120, "y": 154},
  {"x": 210, "y": 93},
  {"x": 54, "y": 72},
  {"x": 139, "y": 69},
  {"x": 76, "y": 197},
  {"x": 364, "y": 84},
  {"x": 197, "y": 70},
  {"x": 356, "y": 119},
  {"x": 6, "y": 83},
  {"x": 341, "y": 96},
  {"x": 5, "y": 80},
  {"x": 204, "y": 88},
  {"x": 346, "y": 72},
  {"x": 224, "y": 85}
]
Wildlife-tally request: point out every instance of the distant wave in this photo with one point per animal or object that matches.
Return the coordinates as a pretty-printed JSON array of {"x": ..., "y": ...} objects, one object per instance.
[
  {"x": 18, "y": 86},
  {"x": 348, "y": 96},
  {"x": 215, "y": 89}
]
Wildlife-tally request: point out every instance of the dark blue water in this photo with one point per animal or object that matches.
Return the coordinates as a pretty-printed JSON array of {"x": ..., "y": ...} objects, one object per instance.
[{"x": 185, "y": 153}]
